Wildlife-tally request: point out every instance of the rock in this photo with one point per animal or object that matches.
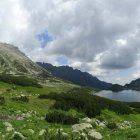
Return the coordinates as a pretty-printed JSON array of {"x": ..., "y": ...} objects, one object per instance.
[
  {"x": 42, "y": 132},
  {"x": 28, "y": 115},
  {"x": 8, "y": 126},
  {"x": 64, "y": 134},
  {"x": 82, "y": 126},
  {"x": 83, "y": 135},
  {"x": 124, "y": 125},
  {"x": 19, "y": 118},
  {"x": 102, "y": 125},
  {"x": 31, "y": 131},
  {"x": 60, "y": 130},
  {"x": 97, "y": 122},
  {"x": 8, "y": 129},
  {"x": 3, "y": 136},
  {"x": 86, "y": 120},
  {"x": 19, "y": 136},
  {"x": 95, "y": 135}
]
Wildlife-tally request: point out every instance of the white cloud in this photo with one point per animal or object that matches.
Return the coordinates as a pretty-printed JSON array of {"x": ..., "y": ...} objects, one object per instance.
[
  {"x": 98, "y": 36},
  {"x": 121, "y": 42}
]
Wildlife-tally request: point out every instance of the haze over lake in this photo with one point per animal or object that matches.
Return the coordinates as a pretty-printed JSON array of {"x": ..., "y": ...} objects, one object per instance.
[{"x": 125, "y": 95}]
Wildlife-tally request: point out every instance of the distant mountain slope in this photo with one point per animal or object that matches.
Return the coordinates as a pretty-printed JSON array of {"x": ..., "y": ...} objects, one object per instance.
[
  {"x": 75, "y": 76},
  {"x": 135, "y": 85},
  {"x": 117, "y": 87},
  {"x": 14, "y": 62}
]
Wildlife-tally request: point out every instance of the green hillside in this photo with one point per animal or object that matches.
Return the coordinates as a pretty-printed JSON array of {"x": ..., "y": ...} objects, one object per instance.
[{"x": 50, "y": 112}]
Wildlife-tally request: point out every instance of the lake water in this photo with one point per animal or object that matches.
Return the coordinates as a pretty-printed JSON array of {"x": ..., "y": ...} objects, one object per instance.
[{"x": 125, "y": 95}]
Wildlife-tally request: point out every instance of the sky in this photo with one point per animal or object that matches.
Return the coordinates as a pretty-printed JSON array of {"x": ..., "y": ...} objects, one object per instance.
[{"x": 101, "y": 37}]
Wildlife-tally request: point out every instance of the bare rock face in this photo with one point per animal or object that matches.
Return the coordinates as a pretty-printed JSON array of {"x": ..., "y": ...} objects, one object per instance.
[{"x": 13, "y": 61}]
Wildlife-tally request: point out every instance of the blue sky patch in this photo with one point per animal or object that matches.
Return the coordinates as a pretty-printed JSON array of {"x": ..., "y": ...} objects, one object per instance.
[
  {"x": 44, "y": 38},
  {"x": 62, "y": 60}
]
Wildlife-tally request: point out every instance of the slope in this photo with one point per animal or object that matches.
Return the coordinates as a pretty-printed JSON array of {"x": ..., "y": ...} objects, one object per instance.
[
  {"x": 75, "y": 76},
  {"x": 14, "y": 62}
]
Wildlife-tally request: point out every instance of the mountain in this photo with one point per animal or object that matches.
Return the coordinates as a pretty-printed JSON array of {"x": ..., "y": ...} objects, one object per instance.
[
  {"x": 135, "y": 85},
  {"x": 65, "y": 112},
  {"x": 117, "y": 87},
  {"x": 14, "y": 62},
  {"x": 75, "y": 76}
]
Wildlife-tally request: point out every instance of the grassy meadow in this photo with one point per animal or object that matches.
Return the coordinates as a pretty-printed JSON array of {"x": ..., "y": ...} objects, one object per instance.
[{"x": 24, "y": 115}]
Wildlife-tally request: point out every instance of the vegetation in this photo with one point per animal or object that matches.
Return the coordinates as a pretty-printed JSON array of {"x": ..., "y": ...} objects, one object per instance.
[
  {"x": 91, "y": 105},
  {"x": 117, "y": 88},
  {"x": 112, "y": 125},
  {"x": 134, "y": 104},
  {"x": 29, "y": 119},
  {"x": 59, "y": 117},
  {"x": 2, "y": 100},
  {"x": 20, "y": 98},
  {"x": 60, "y": 106},
  {"x": 19, "y": 80}
]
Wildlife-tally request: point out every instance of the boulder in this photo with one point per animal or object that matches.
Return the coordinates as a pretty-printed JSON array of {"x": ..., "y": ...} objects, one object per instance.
[
  {"x": 87, "y": 120},
  {"x": 19, "y": 136},
  {"x": 95, "y": 135},
  {"x": 82, "y": 126}
]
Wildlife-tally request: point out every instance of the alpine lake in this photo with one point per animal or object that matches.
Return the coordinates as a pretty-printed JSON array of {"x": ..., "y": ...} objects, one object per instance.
[{"x": 125, "y": 95}]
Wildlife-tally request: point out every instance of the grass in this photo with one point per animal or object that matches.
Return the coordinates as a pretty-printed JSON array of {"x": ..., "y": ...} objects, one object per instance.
[
  {"x": 41, "y": 106},
  {"x": 81, "y": 100},
  {"x": 36, "y": 109}
]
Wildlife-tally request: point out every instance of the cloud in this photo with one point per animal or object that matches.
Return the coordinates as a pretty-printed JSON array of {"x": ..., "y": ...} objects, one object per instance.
[
  {"x": 122, "y": 56},
  {"x": 13, "y": 19},
  {"x": 98, "y": 36}
]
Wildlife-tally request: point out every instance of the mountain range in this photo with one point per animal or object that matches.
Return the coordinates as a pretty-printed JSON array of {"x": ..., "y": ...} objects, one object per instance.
[
  {"x": 75, "y": 76},
  {"x": 16, "y": 63},
  {"x": 85, "y": 79}
]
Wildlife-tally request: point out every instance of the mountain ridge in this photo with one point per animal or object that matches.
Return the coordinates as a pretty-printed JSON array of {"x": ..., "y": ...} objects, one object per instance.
[
  {"x": 76, "y": 76},
  {"x": 15, "y": 62}
]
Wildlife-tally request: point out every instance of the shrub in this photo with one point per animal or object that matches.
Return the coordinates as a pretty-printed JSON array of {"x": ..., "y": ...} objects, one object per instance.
[
  {"x": 136, "y": 110},
  {"x": 19, "y": 80},
  {"x": 59, "y": 117},
  {"x": 135, "y": 106},
  {"x": 21, "y": 98},
  {"x": 94, "y": 125},
  {"x": 2, "y": 100},
  {"x": 56, "y": 135},
  {"x": 8, "y": 90},
  {"x": 100, "y": 118},
  {"x": 84, "y": 102},
  {"x": 112, "y": 125},
  {"x": 131, "y": 134}
]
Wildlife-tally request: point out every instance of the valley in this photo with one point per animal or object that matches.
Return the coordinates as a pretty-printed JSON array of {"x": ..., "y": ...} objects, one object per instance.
[
  {"x": 69, "y": 69},
  {"x": 36, "y": 104}
]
